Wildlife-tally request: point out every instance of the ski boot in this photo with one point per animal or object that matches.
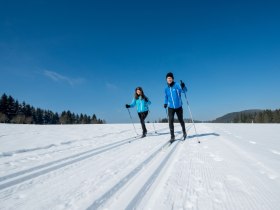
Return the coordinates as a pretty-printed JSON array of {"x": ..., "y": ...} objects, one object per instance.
[
  {"x": 144, "y": 134},
  {"x": 185, "y": 135},
  {"x": 172, "y": 139}
]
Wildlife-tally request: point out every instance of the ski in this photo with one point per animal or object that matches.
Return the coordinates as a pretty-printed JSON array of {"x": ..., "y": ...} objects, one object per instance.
[
  {"x": 179, "y": 139},
  {"x": 135, "y": 138}
]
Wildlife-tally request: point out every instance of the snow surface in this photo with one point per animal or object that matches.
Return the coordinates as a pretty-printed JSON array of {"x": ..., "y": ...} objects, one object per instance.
[{"x": 236, "y": 166}]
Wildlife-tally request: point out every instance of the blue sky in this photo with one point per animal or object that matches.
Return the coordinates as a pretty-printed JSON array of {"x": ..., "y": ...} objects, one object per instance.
[{"x": 88, "y": 56}]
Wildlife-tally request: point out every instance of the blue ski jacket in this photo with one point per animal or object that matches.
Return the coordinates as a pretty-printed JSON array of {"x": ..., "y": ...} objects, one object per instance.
[
  {"x": 173, "y": 95},
  {"x": 141, "y": 104}
]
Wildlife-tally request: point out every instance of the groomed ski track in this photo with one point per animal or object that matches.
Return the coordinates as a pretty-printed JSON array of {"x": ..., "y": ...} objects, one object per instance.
[{"x": 223, "y": 172}]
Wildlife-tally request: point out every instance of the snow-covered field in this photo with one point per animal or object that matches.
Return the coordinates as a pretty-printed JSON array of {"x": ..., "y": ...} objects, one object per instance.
[{"x": 236, "y": 166}]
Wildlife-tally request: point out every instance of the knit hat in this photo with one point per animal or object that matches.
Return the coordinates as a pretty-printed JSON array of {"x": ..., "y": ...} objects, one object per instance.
[{"x": 170, "y": 74}]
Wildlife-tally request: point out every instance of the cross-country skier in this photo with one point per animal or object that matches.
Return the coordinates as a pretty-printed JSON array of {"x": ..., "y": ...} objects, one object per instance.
[
  {"x": 142, "y": 103},
  {"x": 174, "y": 103}
]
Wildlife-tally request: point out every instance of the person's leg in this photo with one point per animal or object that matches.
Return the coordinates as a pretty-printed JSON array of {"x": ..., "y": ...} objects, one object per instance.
[
  {"x": 179, "y": 113},
  {"x": 171, "y": 113},
  {"x": 144, "y": 116},
  {"x": 142, "y": 121}
]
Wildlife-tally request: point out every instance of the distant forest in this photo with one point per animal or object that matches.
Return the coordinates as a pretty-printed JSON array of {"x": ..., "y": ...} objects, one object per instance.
[
  {"x": 11, "y": 111},
  {"x": 247, "y": 116},
  {"x": 251, "y": 116},
  {"x": 265, "y": 116}
]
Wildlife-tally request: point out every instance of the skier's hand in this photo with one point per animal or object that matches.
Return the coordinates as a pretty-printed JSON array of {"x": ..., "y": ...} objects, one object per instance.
[
  {"x": 165, "y": 106},
  {"x": 182, "y": 84},
  {"x": 127, "y": 106}
]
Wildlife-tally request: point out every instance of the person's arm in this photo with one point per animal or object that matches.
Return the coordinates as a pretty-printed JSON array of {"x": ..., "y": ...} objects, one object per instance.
[
  {"x": 148, "y": 101},
  {"x": 165, "y": 99},
  {"x": 133, "y": 103},
  {"x": 183, "y": 87}
]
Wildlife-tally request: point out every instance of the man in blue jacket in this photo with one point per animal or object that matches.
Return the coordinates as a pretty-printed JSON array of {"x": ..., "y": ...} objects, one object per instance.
[{"x": 174, "y": 103}]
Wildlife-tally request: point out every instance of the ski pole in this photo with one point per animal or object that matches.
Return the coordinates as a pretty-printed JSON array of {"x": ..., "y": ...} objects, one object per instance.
[
  {"x": 166, "y": 114},
  {"x": 132, "y": 122},
  {"x": 154, "y": 127},
  {"x": 191, "y": 115},
  {"x": 153, "y": 123}
]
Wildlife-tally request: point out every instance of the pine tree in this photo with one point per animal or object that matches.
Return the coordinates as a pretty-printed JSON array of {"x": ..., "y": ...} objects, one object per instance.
[
  {"x": 3, "y": 118},
  {"x": 259, "y": 117},
  {"x": 39, "y": 115},
  {"x": 277, "y": 117},
  {"x": 81, "y": 118},
  {"x": 63, "y": 118},
  {"x": 10, "y": 111},
  {"x": 55, "y": 118},
  {"x": 3, "y": 104},
  {"x": 267, "y": 118},
  {"x": 94, "y": 119}
]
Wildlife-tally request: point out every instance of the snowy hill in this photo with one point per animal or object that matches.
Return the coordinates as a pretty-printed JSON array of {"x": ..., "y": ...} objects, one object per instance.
[
  {"x": 228, "y": 118},
  {"x": 236, "y": 166}
]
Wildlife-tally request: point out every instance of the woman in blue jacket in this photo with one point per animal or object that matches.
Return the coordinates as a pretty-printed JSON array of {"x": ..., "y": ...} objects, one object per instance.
[{"x": 142, "y": 103}]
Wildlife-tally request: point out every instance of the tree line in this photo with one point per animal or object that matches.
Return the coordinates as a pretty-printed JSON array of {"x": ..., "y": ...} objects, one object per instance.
[
  {"x": 262, "y": 116},
  {"x": 11, "y": 111},
  {"x": 265, "y": 116}
]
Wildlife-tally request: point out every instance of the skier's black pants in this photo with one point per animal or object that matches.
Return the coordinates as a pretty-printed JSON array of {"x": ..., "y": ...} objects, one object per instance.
[
  {"x": 142, "y": 117},
  {"x": 179, "y": 113}
]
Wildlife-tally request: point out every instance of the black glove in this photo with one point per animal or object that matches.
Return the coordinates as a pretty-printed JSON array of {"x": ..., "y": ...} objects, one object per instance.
[
  {"x": 146, "y": 99},
  {"x": 165, "y": 106},
  {"x": 127, "y": 106},
  {"x": 182, "y": 84}
]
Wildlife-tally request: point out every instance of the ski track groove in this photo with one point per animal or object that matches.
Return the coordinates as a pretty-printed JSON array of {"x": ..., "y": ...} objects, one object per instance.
[
  {"x": 156, "y": 180},
  {"x": 227, "y": 190},
  {"x": 43, "y": 169},
  {"x": 78, "y": 190},
  {"x": 46, "y": 147},
  {"x": 28, "y": 151},
  {"x": 108, "y": 194},
  {"x": 140, "y": 195},
  {"x": 62, "y": 159},
  {"x": 173, "y": 191},
  {"x": 134, "y": 204},
  {"x": 105, "y": 148}
]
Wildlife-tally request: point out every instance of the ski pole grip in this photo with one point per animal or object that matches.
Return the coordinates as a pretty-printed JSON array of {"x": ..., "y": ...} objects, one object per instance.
[{"x": 184, "y": 87}]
